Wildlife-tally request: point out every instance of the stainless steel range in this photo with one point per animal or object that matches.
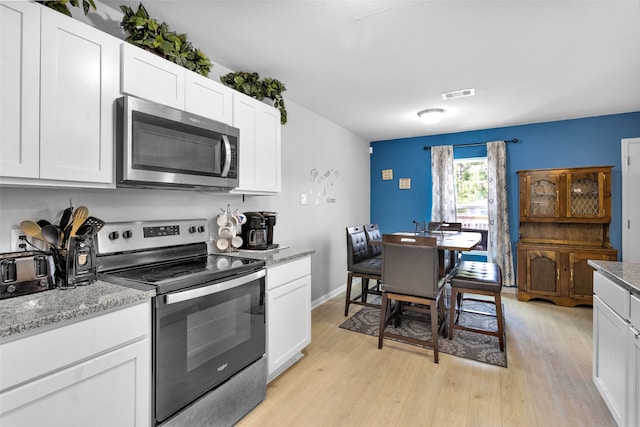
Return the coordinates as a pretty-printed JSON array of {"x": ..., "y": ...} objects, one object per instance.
[{"x": 209, "y": 363}]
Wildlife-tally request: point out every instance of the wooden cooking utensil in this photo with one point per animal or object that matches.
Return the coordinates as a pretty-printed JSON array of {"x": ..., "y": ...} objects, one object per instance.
[
  {"x": 79, "y": 217},
  {"x": 32, "y": 229}
]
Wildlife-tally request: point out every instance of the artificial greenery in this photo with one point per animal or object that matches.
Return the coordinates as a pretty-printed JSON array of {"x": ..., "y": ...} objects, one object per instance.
[
  {"x": 251, "y": 84},
  {"x": 61, "y": 5},
  {"x": 147, "y": 33}
]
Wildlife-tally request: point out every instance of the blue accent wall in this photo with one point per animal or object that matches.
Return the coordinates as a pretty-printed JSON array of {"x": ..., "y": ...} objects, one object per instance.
[{"x": 593, "y": 141}]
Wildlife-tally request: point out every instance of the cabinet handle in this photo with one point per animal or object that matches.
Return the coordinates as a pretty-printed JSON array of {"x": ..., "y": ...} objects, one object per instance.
[
  {"x": 571, "y": 273},
  {"x": 558, "y": 274}
]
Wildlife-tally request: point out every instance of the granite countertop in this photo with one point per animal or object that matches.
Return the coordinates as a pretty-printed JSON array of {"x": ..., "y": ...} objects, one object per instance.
[
  {"x": 28, "y": 312},
  {"x": 627, "y": 274},
  {"x": 273, "y": 256}
]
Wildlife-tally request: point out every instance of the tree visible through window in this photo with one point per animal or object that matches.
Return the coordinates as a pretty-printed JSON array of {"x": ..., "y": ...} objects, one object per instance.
[{"x": 472, "y": 192}]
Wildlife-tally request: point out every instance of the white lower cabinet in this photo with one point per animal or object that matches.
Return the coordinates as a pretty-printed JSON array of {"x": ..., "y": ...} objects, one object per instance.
[
  {"x": 93, "y": 372},
  {"x": 616, "y": 350},
  {"x": 634, "y": 363},
  {"x": 610, "y": 359},
  {"x": 288, "y": 313}
]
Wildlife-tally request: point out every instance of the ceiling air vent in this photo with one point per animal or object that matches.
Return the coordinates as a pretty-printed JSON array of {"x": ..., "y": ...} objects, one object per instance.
[{"x": 458, "y": 93}]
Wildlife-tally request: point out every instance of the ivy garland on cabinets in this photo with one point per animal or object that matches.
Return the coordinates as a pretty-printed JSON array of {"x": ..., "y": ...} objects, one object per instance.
[
  {"x": 146, "y": 33},
  {"x": 61, "y": 5},
  {"x": 251, "y": 84}
]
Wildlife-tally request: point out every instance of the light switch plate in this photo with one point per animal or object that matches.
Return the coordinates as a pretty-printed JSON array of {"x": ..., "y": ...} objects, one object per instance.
[{"x": 303, "y": 199}]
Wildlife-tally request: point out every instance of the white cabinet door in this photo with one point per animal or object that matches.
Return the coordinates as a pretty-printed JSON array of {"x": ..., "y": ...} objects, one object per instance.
[
  {"x": 634, "y": 364},
  {"x": 260, "y": 145},
  {"x": 288, "y": 321},
  {"x": 19, "y": 89},
  {"x": 610, "y": 336},
  {"x": 78, "y": 89},
  {"x": 148, "y": 76},
  {"x": 109, "y": 390},
  {"x": 208, "y": 98},
  {"x": 634, "y": 379}
]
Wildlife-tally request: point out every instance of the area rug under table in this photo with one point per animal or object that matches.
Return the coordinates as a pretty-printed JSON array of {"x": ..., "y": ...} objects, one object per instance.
[{"x": 470, "y": 345}]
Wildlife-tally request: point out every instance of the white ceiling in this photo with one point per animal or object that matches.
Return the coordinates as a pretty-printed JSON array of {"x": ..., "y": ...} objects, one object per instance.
[{"x": 370, "y": 66}]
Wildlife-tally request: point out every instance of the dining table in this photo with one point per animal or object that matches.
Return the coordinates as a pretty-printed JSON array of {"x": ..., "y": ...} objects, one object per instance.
[{"x": 450, "y": 244}]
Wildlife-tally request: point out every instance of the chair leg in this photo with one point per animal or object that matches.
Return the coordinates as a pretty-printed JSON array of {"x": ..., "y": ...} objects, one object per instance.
[
  {"x": 365, "y": 289},
  {"x": 383, "y": 318},
  {"x": 442, "y": 315},
  {"x": 434, "y": 328},
  {"x": 499, "y": 319},
  {"x": 348, "y": 300},
  {"x": 452, "y": 310}
]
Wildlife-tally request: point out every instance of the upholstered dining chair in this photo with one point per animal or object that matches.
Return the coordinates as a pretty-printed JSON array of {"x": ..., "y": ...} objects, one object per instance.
[
  {"x": 373, "y": 233},
  {"x": 361, "y": 264},
  {"x": 410, "y": 277}
]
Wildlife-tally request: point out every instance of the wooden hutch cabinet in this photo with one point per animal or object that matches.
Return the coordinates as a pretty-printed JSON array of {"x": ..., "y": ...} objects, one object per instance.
[{"x": 564, "y": 222}]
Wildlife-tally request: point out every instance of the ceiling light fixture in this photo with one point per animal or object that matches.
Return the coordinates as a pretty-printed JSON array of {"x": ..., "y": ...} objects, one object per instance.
[{"x": 431, "y": 115}]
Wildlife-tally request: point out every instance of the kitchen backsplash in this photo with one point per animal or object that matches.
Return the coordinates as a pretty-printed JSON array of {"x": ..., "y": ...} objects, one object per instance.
[{"x": 19, "y": 204}]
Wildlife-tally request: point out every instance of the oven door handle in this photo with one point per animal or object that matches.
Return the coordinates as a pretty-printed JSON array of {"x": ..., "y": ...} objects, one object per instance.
[{"x": 212, "y": 289}]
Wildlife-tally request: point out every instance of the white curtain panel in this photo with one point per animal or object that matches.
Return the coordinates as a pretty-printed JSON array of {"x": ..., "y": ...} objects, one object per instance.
[
  {"x": 443, "y": 203},
  {"x": 499, "y": 250}
]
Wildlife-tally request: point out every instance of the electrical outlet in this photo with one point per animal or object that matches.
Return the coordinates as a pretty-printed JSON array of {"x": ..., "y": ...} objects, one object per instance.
[
  {"x": 303, "y": 199},
  {"x": 18, "y": 245}
]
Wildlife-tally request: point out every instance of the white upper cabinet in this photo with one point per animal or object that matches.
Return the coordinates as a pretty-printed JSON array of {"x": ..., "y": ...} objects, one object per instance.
[
  {"x": 19, "y": 89},
  {"x": 260, "y": 145},
  {"x": 148, "y": 76},
  {"x": 58, "y": 86},
  {"x": 78, "y": 89},
  {"x": 208, "y": 98}
]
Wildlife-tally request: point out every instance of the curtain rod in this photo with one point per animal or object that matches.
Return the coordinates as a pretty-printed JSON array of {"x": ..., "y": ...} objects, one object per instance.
[{"x": 514, "y": 140}]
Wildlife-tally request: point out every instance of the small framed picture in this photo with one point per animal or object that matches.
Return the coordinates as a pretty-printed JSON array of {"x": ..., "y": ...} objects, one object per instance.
[{"x": 405, "y": 183}]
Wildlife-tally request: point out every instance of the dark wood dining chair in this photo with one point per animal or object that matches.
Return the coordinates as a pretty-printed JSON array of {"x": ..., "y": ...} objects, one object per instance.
[
  {"x": 361, "y": 264},
  {"x": 410, "y": 277}
]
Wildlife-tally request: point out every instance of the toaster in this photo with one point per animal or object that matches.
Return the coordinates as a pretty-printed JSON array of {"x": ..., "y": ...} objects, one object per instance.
[{"x": 23, "y": 273}]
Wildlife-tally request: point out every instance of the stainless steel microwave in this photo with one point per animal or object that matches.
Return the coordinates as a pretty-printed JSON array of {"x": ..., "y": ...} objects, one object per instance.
[{"x": 162, "y": 147}]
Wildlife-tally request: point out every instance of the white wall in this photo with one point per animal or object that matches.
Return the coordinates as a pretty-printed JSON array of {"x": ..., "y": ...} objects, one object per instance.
[{"x": 327, "y": 163}]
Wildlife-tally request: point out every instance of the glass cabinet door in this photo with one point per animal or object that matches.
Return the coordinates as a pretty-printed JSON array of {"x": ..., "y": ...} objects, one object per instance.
[
  {"x": 585, "y": 194},
  {"x": 543, "y": 196}
]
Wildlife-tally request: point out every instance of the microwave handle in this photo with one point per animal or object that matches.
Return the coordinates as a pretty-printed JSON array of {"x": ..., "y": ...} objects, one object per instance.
[
  {"x": 215, "y": 288},
  {"x": 227, "y": 155}
]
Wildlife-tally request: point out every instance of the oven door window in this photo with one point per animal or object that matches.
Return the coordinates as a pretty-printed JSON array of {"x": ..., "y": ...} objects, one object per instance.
[
  {"x": 202, "y": 342},
  {"x": 167, "y": 146}
]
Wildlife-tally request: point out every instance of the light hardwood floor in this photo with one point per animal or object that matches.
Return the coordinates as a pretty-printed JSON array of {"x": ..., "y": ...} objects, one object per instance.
[{"x": 345, "y": 380}]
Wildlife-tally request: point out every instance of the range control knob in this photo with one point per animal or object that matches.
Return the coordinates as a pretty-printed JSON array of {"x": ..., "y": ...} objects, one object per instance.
[
  {"x": 127, "y": 234},
  {"x": 114, "y": 235},
  {"x": 11, "y": 288},
  {"x": 192, "y": 229},
  {"x": 201, "y": 229}
]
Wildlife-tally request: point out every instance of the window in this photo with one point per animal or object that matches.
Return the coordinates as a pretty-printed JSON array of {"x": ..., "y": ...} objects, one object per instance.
[{"x": 472, "y": 193}]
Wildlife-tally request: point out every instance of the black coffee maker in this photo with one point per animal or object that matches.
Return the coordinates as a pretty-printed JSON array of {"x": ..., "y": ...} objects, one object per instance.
[{"x": 257, "y": 232}]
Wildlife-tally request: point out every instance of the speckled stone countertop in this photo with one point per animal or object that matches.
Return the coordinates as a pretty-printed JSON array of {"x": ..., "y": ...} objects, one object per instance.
[
  {"x": 626, "y": 274},
  {"x": 273, "y": 256},
  {"x": 28, "y": 312}
]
